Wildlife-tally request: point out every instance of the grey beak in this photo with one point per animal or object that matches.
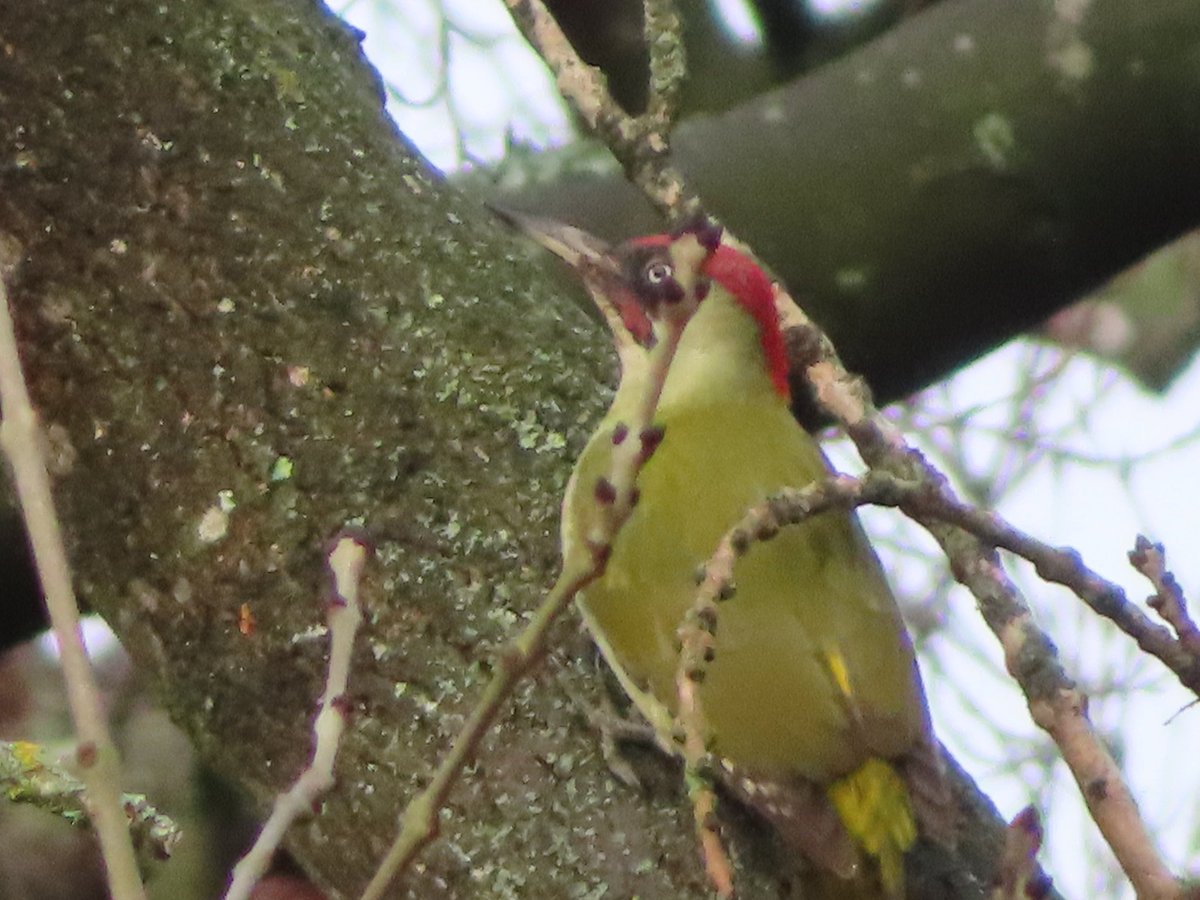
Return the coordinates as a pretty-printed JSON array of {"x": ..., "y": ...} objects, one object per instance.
[
  {"x": 591, "y": 258},
  {"x": 576, "y": 247}
]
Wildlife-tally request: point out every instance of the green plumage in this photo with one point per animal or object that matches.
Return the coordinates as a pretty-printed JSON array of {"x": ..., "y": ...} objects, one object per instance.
[
  {"x": 814, "y": 589},
  {"x": 781, "y": 707}
]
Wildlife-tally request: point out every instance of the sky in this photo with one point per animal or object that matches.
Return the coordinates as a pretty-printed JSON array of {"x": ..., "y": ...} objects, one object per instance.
[{"x": 465, "y": 86}]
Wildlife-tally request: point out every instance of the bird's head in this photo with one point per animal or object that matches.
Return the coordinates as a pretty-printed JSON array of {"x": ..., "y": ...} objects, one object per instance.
[{"x": 637, "y": 284}]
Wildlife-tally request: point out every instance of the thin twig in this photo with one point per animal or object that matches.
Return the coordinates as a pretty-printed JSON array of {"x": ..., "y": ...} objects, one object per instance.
[
  {"x": 1057, "y": 565},
  {"x": 700, "y": 785},
  {"x": 697, "y": 647},
  {"x": 346, "y": 561},
  {"x": 1019, "y": 876},
  {"x": 663, "y": 32},
  {"x": 26, "y": 778},
  {"x": 616, "y": 493},
  {"x": 1064, "y": 566},
  {"x": 1168, "y": 600},
  {"x": 640, "y": 143},
  {"x": 96, "y": 755}
]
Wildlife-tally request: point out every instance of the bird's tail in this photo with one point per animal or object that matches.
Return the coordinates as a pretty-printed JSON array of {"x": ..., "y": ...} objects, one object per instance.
[{"x": 873, "y": 803}]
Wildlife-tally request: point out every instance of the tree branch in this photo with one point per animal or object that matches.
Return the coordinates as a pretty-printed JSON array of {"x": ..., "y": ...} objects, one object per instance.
[
  {"x": 96, "y": 756},
  {"x": 640, "y": 143},
  {"x": 862, "y": 183}
]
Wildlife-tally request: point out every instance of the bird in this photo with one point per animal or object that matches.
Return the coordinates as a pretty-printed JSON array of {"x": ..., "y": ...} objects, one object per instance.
[{"x": 813, "y": 700}]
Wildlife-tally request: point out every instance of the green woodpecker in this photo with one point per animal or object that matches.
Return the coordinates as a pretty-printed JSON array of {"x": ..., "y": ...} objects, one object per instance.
[{"x": 813, "y": 699}]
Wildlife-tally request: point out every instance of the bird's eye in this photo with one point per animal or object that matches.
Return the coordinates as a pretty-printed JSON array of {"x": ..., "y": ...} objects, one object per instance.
[
  {"x": 650, "y": 274},
  {"x": 657, "y": 272}
]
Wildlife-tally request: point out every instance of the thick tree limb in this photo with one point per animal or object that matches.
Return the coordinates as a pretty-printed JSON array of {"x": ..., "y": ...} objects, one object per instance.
[{"x": 952, "y": 183}]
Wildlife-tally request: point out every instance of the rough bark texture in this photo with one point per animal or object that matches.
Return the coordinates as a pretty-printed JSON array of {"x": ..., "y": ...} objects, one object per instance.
[
  {"x": 251, "y": 315},
  {"x": 222, "y": 257},
  {"x": 954, "y": 182}
]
